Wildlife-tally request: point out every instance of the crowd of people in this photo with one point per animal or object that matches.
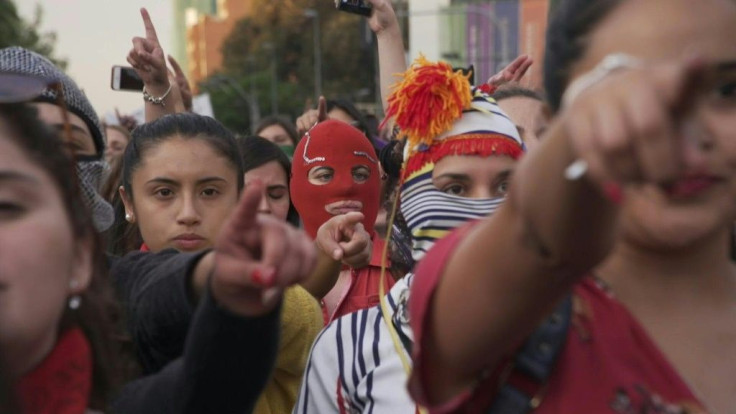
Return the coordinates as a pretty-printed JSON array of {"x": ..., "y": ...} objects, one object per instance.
[{"x": 486, "y": 248}]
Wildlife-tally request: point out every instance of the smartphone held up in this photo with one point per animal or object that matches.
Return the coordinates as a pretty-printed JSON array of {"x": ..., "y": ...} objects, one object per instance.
[
  {"x": 125, "y": 78},
  {"x": 354, "y": 6}
]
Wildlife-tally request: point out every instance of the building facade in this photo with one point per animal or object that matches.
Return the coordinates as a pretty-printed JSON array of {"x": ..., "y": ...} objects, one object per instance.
[
  {"x": 487, "y": 34},
  {"x": 205, "y": 34},
  {"x": 180, "y": 7}
]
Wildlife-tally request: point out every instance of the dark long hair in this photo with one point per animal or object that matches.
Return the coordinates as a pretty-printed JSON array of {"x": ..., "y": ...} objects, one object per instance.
[
  {"x": 567, "y": 40},
  {"x": 514, "y": 91},
  {"x": 257, "y": 151},
  {"x": 186, "y": 125},
  {"x": 123, "y": 237},
  {"x": 99, "y": 316}
]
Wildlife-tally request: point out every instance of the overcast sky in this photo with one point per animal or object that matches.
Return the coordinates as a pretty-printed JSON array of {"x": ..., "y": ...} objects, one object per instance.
[{"x": 94, "y": 35}]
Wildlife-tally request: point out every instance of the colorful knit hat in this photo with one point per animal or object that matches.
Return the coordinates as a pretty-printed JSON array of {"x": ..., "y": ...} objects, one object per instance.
[{"x": 441, "y": 114}]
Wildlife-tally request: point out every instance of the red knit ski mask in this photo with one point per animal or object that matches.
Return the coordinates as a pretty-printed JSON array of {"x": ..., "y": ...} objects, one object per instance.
[{"x": 337, "y": 145}]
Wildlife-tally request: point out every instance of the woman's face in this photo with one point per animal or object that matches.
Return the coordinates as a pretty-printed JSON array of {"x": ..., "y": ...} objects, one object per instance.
[
  {"x": 359, "y": 174},
  {"x": 276, "y": 134},
  {"x": 335, "y": 172},
  {"x": 81, "y": 142},
  {"x": 183, "y": 190},
  {"x": 473, "y": 176},
  {"x": 41, "y": 261},
  {"x": 705, "y": 203},
  {"x": 275, "y": 199},
  {"x": 116, "y": 143}
]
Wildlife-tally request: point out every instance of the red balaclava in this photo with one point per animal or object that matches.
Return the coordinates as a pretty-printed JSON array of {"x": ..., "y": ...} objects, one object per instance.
[{"x": 340, "y": 146}]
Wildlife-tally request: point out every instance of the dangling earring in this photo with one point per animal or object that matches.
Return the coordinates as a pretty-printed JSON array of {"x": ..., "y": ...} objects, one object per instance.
[{"x": 75, "y": 301}]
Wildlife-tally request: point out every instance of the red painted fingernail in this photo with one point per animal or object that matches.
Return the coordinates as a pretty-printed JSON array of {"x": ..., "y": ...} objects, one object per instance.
[
  {"x": 264, "y": 278},
  {"x": 613, "y": 192},
  {"x": 257, "y": 277}
]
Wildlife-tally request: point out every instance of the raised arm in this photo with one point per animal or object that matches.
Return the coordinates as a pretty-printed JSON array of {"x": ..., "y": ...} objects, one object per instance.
[
  {"x": 147, "y": 58},
  {"x": 391, "y": 53},
  {"x": 509, "y": 271}
]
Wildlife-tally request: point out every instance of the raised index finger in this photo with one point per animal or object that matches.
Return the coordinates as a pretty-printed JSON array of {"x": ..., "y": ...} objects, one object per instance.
[
  {"x": 148, "y": 24},
  {"x": 322, "y": 108},
  {"x": 349, "y": 222},
  {"x": 244, "y": 216}
]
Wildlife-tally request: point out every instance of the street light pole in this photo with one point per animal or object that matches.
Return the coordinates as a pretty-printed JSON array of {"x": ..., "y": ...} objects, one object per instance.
[
  {"x": 314, "y": 15},
  {"x": 274, "y": 79}
]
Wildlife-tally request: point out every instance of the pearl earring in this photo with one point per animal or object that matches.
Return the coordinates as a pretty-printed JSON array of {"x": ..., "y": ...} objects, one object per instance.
[
  {"x": 128, "y": 217},
  {"x": 75, "y": 301}
]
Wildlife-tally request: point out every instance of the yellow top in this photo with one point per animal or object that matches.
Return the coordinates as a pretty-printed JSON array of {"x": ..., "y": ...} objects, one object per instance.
[{"x": 301, "y": 322}]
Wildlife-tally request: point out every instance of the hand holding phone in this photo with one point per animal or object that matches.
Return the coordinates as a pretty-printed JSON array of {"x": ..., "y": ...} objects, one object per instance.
[
  {"x": 354, "y": 6},
  {"x": 125, "y": 78}
]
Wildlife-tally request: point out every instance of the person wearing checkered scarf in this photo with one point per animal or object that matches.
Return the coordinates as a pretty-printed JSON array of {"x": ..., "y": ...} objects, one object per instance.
[{"x": 87, "y": 137}]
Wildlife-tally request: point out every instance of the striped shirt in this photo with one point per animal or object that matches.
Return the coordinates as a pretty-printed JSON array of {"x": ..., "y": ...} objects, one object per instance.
[{"x": 354, "y": 366}]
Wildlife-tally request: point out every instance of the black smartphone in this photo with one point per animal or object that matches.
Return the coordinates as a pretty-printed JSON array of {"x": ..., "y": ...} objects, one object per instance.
[
  {"x": 354, "y": 6},
  {"x": 125, "y": 78}
]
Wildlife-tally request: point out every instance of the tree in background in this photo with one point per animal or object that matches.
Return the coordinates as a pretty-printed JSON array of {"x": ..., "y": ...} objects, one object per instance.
[
  {"x": 14, "y": 31},
  {"x": 348, "y": 60}
]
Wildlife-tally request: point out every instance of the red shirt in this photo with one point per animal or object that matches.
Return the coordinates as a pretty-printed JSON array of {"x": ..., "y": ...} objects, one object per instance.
[
  {"x": 363, "y": 285},
  {"x": 608, "y": 364}
]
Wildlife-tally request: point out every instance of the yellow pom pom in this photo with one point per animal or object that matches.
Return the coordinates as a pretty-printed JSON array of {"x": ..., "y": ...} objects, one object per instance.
[{"x": 428, "y": 100}]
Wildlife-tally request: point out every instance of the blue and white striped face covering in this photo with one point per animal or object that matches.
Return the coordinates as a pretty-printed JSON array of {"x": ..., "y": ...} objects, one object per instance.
[
  {"x": 432, "y": 214},
  {"x": 483, "y": 130}
]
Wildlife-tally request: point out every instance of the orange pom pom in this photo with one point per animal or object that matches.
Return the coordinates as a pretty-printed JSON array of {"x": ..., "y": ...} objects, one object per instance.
[{"x": 428, "y": 100}]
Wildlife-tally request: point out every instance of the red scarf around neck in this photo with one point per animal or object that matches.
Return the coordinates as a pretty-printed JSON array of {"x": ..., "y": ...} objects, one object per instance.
[{"x": 61, "y": 384}]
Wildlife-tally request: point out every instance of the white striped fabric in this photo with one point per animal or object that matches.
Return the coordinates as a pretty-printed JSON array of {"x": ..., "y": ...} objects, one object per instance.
[
  {"x": 430, "y": 214},
  {"x": 354, "y": 366},
  {"x": 483, "y": 116}
]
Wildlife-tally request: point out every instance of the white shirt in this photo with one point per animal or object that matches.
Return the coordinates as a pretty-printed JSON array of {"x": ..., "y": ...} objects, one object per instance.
[{"x": 354, "y": 366}]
